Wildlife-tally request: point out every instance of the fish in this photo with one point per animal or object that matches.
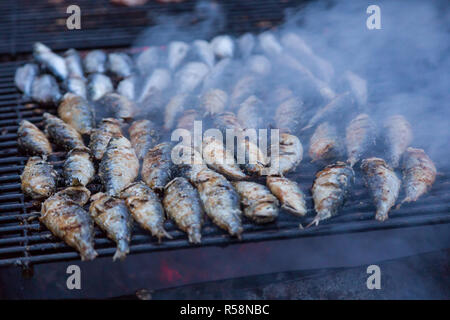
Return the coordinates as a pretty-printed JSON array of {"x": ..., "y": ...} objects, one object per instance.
[
  {"x": 76, "y": 86},
  {"x": 219, "y": 76},
  {"x": 182, "y": 204},
  {"x": 157, "y": 167},
  {"x": 112, "y": 216},
  {"x": 25, "y": 76},
  {"x": 227, "y": 120},
  {"x": 289, "y": 113},
  {"x": 127, "y": 88},
  {"x": 77, "y": 112},
  {"x": 189, "y": 77},
  {"x": 419, "y": 173},
  {"x": 221, "y": 159},
  {"x": 220, "y": 201},
  {"x": 249, "y": 113},
  {"x": 45, "y": 90},
  {"x": 260, "y": 205},
  {"x": 186, "y": 120},
  {"x": 330, "y": 190},
  {"x": 255, "y": 160},
  {"x": 173, "y": 109},
  {"x": 335, "y": 106},
  {"x": 64, "y": 216},
  {"x": 290, "y": 154},
  {"x": 177, "y": 51},
  {"x": 38, "y": 179},
  {"x": 120, "y": 106},
  {"x": 31, "y": 140},
  {"x": 360, "y": 136},
  {"x": 325, "y": 143},
  {"x": 100, "y": 137},
  {"x": 383, "y": 185},
  {"x": 78, "y": 169},
  {"x": 119, "y": 166},
  {"x": 213, "y": 101},
  {"x": 204, "y": 52},
  {"x": 259, "y": 64},
  {"x": 99, "y": 85},
  {"x": 242, "y": 89},
  {"x": 223, "y": 46},
  {"x": 146, "y": 208},
  {"x": 61, "y": 133},
  {"x": 269, "y": 43},
  {"x": 74, "y": 64},
  {"x": 289, "y": 194},
  {"x": 50, "y": 61},
  {"x": 187, "y": 160},
  {"x": 158, "y": 80},
  {"x": 147, "y": 60},
  {"x": 246, "y": 43},
  {"x": 143, "y": 136},
  {"x": 120, "y": 64},
  {"x": 95, "y": 61},
  {"x": 398, "y": 136}
]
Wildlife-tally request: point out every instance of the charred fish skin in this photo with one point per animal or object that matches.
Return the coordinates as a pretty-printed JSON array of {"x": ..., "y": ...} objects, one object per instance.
[
  {"x": 330, "y": 190},
  {"x": 112, "y": 216},
  {"x": 419, "y": 173},
  {"x": 146, "y": 208},
  {"x": 98, "y": 86},
  {"x": 143, "y": 136},
  {"x": 77, "y": 112},
  {"x": 78, "y": 168},
  {"x": 182, "y": 204},
  {"x": 45, "y": 90},
  {"x": 74, "y": 64},
  {"x": 31, "y": 140},
  {"x": 260, "y": 205},
  {"x": 100, "y": 137},
  {"x": 157, "y": 167},
  {"x": 220, "y": 200},
  {"x": 120, "y": 64},
  {"x": 289, "y": 157},
  {"x": 289, "y": 194},
  {"x": 220, "y": 159},
  {"x": 63, "y": 134},
  {"x": 119, "y": 166},
  {"x": 383, "y": 185},
  {"x": 398, "y": 135},
  {"x": 38, "y": 179},
  {"x": 95, "y": 61},
  {"x": 119, "y": 105},
  {"x": 360, "y": 136},
  {"x": 25, "y": 76},
  {"x": 325, "y": 143},
  {"x": 50, "y": 60},
  {"x": 67, "y": 220}
]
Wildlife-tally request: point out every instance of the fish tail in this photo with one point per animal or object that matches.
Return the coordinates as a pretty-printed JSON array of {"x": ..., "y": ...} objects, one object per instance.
[
  {"x": 194, "y": 234},
  {"x": 407, "y": 199},
  {"x": 88, "y": 254},
  {"x": 122, "y": 250},
  {"x": 162, "y": 233},
  {"x": 314, "y": 222}
]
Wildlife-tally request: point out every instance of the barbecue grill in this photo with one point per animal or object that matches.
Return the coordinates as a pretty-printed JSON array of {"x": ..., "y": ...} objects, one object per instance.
[{"x": 24, "y": 241}]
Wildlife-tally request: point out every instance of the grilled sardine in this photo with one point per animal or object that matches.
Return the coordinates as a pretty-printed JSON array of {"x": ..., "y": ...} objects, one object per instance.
[
  {"x": 289, "y": 157},
  {"x": 182, "y": 204},
  {"x": 157, "y": 167},
  {"x": 214, "y": 101},
  {"x": 95, "y": 61},
  {"x": 65, "y": 217},
  {"x": 289, "y": 193},
  {"x": 120, "y": 64},
  {"x": 100, "y": 137},
  {"x": 143, "y": 136},
  {"x": 121, "y": 107},
  {"x": 112, "y": 216},
  {"x": 325, "y": 143},
  {"x": 259, "y": 204},
  {"x": 38, "y": 178},
  {"x": 383, "y": 185},
  {"x": 50, "y": 60},
  {"x": 330, "y": 190},
  {"x": 98, "y": 86},
  {"x": 77, "y": 112},
  {"x": 25, "y": 76},
  {"x": 398, "y": 135},
  {"x": 45, "y": 90},
  {"x": 146, "y": 209},
  {"x": 61, "y": 133},
  {"x": 74, "y": 63},
  {"x": 119, "y": 165},
  {"x": 31, "y": 140},
  {"x": 360, "y": 136}
]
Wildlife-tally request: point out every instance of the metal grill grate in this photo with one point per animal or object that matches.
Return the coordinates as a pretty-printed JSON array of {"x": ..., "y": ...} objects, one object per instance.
[
  {"x": 103, "y": 24},
  {"x": 23, "y": 240}
]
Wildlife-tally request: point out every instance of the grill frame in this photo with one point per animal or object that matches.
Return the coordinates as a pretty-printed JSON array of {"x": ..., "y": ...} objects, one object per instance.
[{"x": 24, "y": 241}]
